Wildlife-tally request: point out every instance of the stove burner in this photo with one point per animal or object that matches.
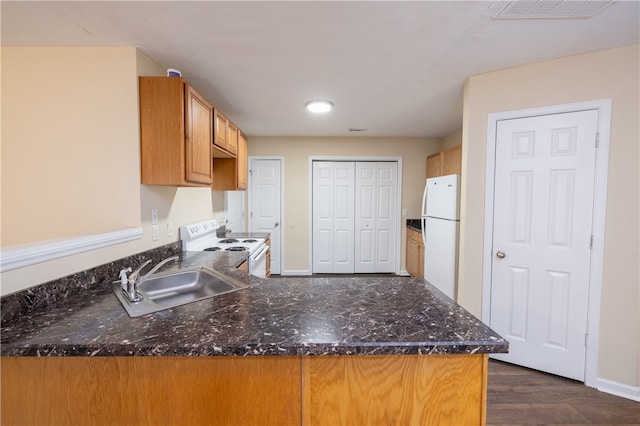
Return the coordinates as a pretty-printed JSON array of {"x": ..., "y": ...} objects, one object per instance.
[
  {"x": 237, "y": 248},
  {"x": 228, "y": 241},
  {"x": 212, "y": 249},
  {"x": 251, "y": 240}
]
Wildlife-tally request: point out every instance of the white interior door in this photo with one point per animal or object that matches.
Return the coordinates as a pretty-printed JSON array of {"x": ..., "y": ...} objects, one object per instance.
[
  {"x": 375, "y": 216},
  {"x": 333, "y": 217},
  {"x": 543, "y": 203},
  {"x": 265, "y": 204}
]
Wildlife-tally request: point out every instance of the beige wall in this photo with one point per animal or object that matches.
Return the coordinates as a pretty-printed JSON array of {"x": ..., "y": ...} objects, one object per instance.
[
  {"x": 452, "y": 140},
  {"x": 603, "y": 74},
  {"x": 296, "y": 153},
  {"x": 70, "y": 157},
  {"x": 67, "y": 118}
]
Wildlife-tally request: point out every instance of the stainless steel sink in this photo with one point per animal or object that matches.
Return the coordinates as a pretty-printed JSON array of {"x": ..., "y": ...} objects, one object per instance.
[{"x": 170, "y": 289}]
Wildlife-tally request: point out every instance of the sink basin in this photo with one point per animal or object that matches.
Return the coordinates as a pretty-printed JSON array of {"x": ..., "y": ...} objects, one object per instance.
[{"x": 170, "y": 289}]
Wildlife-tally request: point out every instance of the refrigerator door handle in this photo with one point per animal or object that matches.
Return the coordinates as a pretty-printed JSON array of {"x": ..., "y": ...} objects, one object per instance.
[
  {"x": 424, "y": 200},
  {"x": 423, "y": 229}
]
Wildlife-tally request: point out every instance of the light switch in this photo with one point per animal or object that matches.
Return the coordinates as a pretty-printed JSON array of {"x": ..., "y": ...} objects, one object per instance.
[
  {"x": 154, "y": 216},
  {"x": 154, "y": 232}
]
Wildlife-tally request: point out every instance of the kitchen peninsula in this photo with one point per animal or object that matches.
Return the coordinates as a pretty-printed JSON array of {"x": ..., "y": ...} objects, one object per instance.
[{"x": 313, "y": 351}]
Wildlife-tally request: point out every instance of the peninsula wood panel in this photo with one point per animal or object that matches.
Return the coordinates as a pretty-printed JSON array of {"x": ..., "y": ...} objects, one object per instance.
[
  {"x": 395, "y": 390},
  {"x": 326, "y": 390},
  {"x": 151, "y": 391}
]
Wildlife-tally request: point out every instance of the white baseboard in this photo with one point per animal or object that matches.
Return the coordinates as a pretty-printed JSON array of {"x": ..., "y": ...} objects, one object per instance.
[
  {"x": 404, "y": 273},
  {"x": 296, "y": 272},
  {"x": 619, "y": 389},
  {"x": 26, "y": 255}
]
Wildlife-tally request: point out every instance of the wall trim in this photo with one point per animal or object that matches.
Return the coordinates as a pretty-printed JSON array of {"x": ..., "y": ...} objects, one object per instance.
[
  {"x": 598, "y": 222},
  {"x": 27, "y": 255},
  {"x": 296, "y": 272},
  {"x": 619, "y": 389}
]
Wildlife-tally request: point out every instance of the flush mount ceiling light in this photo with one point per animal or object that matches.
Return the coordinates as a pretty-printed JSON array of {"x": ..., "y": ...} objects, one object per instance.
[{"x": 318, "y": 105}]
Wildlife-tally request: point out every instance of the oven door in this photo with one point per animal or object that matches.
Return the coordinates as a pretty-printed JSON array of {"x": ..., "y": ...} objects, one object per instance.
[{"x": 258, "y": 261}]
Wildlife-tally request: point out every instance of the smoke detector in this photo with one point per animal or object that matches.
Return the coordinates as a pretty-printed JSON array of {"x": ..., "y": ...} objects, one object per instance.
[{"x": 550, "y": 9}]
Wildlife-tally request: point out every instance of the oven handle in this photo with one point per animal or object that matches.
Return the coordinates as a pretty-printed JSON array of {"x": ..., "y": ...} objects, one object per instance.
[{"x": 260, "y": 253}]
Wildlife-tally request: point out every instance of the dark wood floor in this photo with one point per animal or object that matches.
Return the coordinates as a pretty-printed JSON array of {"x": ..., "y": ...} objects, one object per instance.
[{"x": 519, "y": 396}]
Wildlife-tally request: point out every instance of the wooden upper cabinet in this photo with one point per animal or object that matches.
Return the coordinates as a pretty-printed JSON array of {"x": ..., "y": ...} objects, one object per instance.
[
  {"x": 199, "y": 132},
  {"x": 452, "y": 161},
  {"x": 242, "y": 159},
  {"x": 434, "y": 165},
  {"x": 176, "y": 129},
  {"x": 232, "y": 138},
  {"x": 225, "y": 138},
  {"x": 231, "y": 174},
  {"x": 447, "y": 162}
]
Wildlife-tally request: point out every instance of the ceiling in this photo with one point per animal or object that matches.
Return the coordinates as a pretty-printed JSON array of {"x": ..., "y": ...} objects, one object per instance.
[{"x": 392, "y": 68}]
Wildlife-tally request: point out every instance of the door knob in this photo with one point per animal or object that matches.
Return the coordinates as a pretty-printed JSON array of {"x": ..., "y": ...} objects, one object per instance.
[
  {"x": 500, "y": 255},
  {"x": 276, "y": 224}
]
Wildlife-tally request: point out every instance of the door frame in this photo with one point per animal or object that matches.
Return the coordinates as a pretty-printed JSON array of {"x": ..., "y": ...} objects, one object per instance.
[
  {"x": 354, "y": 158},
  {"x": 282, "y": 192},
  {"x": 598, "y": 226}
]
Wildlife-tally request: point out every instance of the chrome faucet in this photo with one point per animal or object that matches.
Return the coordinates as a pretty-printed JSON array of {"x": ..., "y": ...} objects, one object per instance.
[{"x": 130, "y": 284}]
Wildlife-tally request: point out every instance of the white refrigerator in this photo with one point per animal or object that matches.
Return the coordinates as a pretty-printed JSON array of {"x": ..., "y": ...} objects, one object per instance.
[{"x": 440, "y": 228}]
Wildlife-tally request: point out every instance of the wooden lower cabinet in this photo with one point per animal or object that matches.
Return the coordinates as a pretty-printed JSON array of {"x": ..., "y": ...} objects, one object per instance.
[
  {"x": 267, "y": 259},
  {"x": 323, "y": 390},
  {"x": 415, "y": 253}
]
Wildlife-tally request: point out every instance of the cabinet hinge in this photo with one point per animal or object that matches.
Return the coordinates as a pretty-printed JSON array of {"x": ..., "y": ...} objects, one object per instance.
[
  {"x": 591, "y": 242},
  {"x": 597, "y": 140},
  {"x": 586, "y": 340}
]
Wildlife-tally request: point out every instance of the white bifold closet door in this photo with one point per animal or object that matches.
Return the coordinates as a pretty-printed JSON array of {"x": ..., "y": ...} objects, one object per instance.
[
  {"x": 333, "y": 213},
  {"x": 354, "y": 216}
]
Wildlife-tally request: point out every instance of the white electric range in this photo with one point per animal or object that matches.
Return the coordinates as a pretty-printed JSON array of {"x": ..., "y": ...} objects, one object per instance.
[{"x": 202, "y": 236}]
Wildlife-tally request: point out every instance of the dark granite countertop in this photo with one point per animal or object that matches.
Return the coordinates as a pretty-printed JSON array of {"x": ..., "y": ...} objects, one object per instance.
[
  {"x": 415, "y": 224},
  {"x": 279, "y": 316}
]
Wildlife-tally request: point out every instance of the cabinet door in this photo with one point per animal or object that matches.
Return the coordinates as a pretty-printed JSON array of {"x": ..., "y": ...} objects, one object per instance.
[
  {"x": 434, "y": 165},
  {"x": 220, "y": 136},
  {"x": 241, "y": 159},
  {"x": 232, "y": 137},
  {"x": 198, "y": 129},
  {"x": 420, "y": 261},
  {"x": 415, "y": 253},
  {"x": 452, "y": 161},
  {"x": 412, "y": 257}
]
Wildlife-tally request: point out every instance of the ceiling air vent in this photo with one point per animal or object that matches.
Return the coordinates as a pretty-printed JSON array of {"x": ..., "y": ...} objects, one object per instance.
[
  {"x": 549, "y": 9},
  {"x": 353, "y": 129}
]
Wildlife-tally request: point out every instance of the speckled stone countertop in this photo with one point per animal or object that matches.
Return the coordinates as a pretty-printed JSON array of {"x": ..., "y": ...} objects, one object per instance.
[
  {"x": 279, "y": 316},
  {"x": 415, "y": 224}
]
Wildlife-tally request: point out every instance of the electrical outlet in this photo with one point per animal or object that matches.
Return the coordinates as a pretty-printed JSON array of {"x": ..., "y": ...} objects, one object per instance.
[
  {"x": 169, "y": 229},
  {"x": 154, "y": 232},
  {"x": 154, "y": 216},
  {"x": 404, "y": 212}
]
